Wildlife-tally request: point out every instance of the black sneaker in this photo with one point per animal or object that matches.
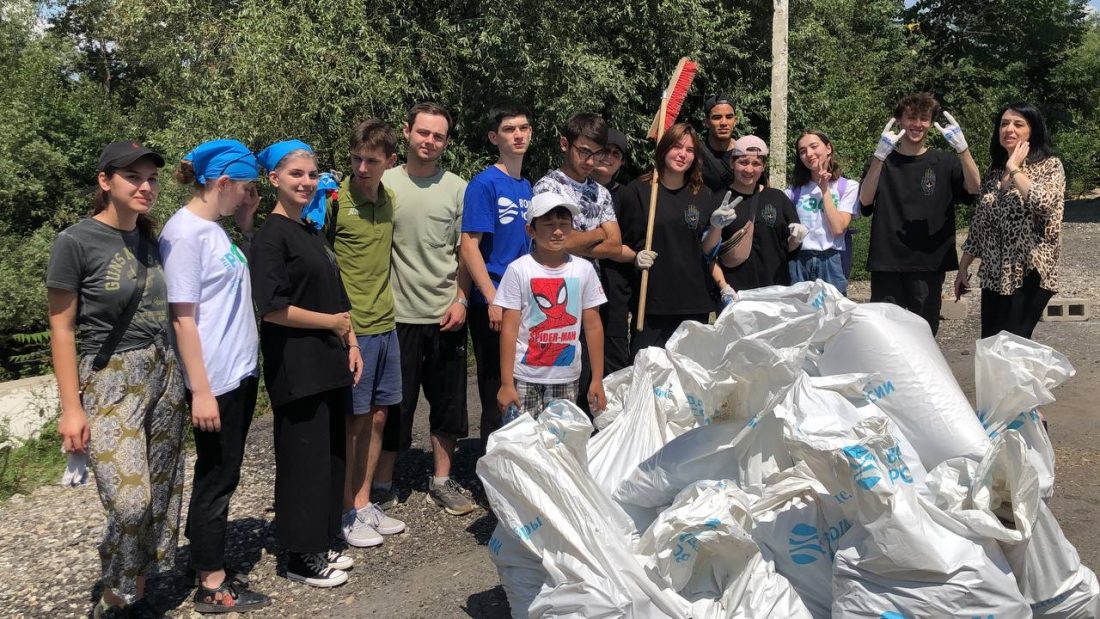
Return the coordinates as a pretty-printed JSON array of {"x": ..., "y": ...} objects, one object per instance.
[
  {"x": 313, "y": 569},
  {"x": 338, "y": 561},
  {"x": 228, "y": 598}
]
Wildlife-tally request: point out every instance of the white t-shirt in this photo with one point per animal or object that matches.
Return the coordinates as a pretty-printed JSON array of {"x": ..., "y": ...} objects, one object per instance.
[
  {"x": 810, "y": 212},
  {"x": 550, "y": 302},
  {"x": 202, "y": 266}
]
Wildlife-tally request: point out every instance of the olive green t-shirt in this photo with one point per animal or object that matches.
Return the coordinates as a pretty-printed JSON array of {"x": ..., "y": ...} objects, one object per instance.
[
  {"x": 427, "y": 214},
  {"x": 362, "y": 242}
]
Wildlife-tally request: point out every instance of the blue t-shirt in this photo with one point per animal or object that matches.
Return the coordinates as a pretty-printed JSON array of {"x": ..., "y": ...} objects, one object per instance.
[{"x": 495, "y": 205}]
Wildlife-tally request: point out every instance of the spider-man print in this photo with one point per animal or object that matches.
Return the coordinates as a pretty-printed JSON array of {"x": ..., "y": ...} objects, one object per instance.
[{"x": 547, "y": 344}]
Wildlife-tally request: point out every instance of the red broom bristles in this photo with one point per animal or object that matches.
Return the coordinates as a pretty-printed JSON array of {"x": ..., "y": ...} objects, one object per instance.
[{"x": 676, "y": 93}]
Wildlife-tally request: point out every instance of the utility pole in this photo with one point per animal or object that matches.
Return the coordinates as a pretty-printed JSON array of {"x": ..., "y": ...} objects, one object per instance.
[{"x": 778, "y": 143}]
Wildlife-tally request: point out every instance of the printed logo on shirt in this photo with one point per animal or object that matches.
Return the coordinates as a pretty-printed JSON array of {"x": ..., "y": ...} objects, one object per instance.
[
  {"x": 508, "y": 210},
  {"x": 769, "y": 213},
  {"x": 928, "y": 182},
  {"x": 553, "y": 328},
  {"x": 815, "y": 204},
  {"x": 691, "y": 217}
]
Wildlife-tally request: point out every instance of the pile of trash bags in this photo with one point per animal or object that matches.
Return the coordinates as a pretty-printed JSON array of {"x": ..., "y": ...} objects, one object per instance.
[{"x": 804, "y": 456}]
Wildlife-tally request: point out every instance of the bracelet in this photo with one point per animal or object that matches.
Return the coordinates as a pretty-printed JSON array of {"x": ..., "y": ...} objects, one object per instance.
[
  {"x": 1015, "y": 172},
  {"x": 353, "y": 346},
  {"x": 463, "y": 302}
]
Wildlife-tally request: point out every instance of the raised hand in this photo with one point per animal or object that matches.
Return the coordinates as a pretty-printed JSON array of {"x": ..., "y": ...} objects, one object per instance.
[
  {"x": 953, "y": 133},
  {"x": 1018, "y": 156},
  {"x": 888, "y": 141},
  {"x": 726, "y": 212}
]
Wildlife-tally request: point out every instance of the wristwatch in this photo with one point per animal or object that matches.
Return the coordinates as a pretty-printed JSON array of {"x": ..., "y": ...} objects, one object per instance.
[{"x": 462, "y": 301}]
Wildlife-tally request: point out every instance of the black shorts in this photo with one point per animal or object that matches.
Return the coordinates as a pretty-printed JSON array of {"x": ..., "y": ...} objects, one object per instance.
[{"x": 435, "y": 360}]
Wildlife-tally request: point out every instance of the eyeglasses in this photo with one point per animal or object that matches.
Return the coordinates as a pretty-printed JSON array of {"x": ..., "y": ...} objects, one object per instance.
[{"x": 587, "y": 155}]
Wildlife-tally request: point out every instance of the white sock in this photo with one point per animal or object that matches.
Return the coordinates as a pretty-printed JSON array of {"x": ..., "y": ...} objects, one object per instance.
[{"x": 439, "y": 481}]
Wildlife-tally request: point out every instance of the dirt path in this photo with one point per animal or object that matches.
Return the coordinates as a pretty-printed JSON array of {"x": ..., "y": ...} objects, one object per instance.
[{"x": 440, "y": 567}]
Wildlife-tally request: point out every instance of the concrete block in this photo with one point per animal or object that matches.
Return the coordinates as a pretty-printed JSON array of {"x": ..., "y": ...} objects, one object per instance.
[
  {"x": 950, "y": 309},
  {"x": 1061, "y": 309}
]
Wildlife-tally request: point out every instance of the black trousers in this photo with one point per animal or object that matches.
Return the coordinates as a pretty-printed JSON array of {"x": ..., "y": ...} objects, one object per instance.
[
  {"x": 658, "y": 328},
  {"x": 309, "y": 470},
  {"x": 487, "y": 353},
  {"x": 437, "y": 360},
  {"x": 217, "y": 473},
  {"x": 917, "y": 291},
  {"x": 615, "y": 314},
  {"x": 1016, "y": 313}
]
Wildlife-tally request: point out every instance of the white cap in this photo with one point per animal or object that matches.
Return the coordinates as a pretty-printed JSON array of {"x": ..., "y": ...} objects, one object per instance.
[{"x": 545, "y": 202}]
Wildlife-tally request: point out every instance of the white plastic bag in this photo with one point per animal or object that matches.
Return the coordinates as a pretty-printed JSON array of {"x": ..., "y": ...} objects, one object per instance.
[
  {"x": 918, "y": 390},
  {"x": 831, "y": 406},
  {"x": 998, "y": 499},
  {"x": 701, "y": 548},
  {"x": 799, "y": 527},
  {"x": 1013, "y": 376},
  {"x": 540, "y": 489},
  {"x": 897, "y": 557}
]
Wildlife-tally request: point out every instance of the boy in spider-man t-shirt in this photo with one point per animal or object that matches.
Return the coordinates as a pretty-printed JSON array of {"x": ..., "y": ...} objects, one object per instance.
[{"x": 547, "y": 297}]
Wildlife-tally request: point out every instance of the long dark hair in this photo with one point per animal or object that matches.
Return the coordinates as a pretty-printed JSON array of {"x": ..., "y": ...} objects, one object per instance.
[
  {"x": 675, "y": 133},
  {"x": 802, "y": 174},
  {"x": 1039, "y": 142},
  {"x": 102, "y": 198}
]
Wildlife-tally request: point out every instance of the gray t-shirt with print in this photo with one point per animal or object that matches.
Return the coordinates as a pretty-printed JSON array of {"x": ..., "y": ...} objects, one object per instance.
[{"x": 99, "y": 264}]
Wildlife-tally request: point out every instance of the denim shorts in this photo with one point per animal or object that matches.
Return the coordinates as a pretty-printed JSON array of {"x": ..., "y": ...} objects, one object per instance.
[{"x": 381, "y": 382}]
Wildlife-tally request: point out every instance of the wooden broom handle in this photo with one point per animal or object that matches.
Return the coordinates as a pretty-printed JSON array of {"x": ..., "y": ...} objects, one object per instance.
[{"x": 654, "y": 186}]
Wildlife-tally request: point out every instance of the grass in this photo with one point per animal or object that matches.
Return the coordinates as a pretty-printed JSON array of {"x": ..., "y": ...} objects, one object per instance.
[{"x": 35, "y": 463}]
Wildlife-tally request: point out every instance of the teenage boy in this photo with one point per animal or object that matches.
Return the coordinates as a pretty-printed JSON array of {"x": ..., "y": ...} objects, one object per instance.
[
  {"x": 493, "y": 235},
  {"x": 547, "y": 297},
  {"x": 720, "y": 117},
  {"x": 429, "y": 291},
  {"x": 596, "y": 235},
  {"x": 362, "y": 235},
  {"x": 912, "y": 191},
  {"x": 616, "y": 277}
]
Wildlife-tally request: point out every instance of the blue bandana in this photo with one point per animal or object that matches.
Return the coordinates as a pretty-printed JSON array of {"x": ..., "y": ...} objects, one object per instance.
[
  {"x": 217, "y": 158},
  {"x": 314, "y": 212},
  {"x": 272, "y": 155}
]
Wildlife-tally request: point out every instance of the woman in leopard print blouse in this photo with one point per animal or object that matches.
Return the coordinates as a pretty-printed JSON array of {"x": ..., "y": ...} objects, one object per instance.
[{"x": 1016, "y": 231}]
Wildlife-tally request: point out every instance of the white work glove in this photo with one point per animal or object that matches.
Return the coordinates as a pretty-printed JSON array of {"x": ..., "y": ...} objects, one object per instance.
[
  {"x": 645, "y": 259},
  {"x": 76, "y": 470},
  {"x": 953, "y": 133},
  {"x": 798, "y": 232},
  {"x": 729, "y": 295},
  {"x": 887, "y": 141},
  {"x": 726, "y": 212}
]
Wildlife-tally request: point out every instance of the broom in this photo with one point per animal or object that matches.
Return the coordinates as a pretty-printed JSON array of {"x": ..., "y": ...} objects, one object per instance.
[{"x": 672, "y": 99}]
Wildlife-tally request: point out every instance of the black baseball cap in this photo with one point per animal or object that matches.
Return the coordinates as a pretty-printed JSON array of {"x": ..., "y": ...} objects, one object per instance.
[
  {"x": 718, "y": 99},
  {"x": 617, "y": 139},
  {"x": 121, "y": 154}
]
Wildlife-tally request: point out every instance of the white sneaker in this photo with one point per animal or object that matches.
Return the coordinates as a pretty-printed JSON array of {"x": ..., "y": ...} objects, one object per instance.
[
  {"x": 357, "y": 532},
  {"x": 373, "y": 516},
  {"x": 314, "y": 570},
  {"x": 338, "y": 561}
]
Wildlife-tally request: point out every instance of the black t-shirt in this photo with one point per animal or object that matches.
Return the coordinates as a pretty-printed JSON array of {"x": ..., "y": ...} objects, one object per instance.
[
  {"x": 679, "y": 281},
  {"x": 292, "y": 264},
  {"x": 913, "y": 228},
  {"x": 717, "y": 170},
  {"x": 767, "y": 263},
  {"x": 617, "y": 277}
]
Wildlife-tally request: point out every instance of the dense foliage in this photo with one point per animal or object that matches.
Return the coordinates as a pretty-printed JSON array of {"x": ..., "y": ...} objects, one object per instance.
[{"x": 79, "y": 73}]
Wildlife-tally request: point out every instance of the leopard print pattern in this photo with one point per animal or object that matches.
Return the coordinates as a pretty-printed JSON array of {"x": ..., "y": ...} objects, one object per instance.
[{"x": 1013, "y": 236}]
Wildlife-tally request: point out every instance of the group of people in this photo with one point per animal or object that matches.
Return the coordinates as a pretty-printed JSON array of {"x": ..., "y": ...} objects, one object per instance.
[{"x": 364, "y": 286}]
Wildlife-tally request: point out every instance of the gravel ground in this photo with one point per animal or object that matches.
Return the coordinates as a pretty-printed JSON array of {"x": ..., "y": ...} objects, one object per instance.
[{"x": 439, "y": 567}]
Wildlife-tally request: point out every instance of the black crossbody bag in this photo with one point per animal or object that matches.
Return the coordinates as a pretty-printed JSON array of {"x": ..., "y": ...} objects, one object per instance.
[{"x": 109, "y": 345}]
